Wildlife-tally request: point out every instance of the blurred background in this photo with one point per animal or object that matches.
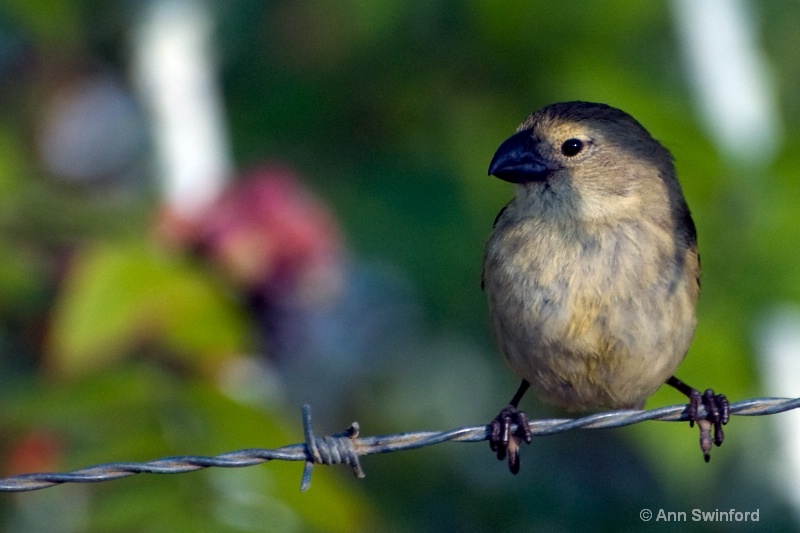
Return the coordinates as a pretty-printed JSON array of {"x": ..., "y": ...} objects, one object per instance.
[{"x": 214, "y": 212}]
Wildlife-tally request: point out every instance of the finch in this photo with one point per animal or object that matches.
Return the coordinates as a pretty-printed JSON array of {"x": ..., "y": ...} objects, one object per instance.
[{"x": 591, "y": 271}]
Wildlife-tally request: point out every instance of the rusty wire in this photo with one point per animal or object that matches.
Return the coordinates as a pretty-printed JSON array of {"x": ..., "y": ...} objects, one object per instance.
[{"x": 347, "y": 447}]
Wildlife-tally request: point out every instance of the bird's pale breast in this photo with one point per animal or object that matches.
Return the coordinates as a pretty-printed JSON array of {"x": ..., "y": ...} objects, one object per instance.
[{"x": 580, "y": 310}]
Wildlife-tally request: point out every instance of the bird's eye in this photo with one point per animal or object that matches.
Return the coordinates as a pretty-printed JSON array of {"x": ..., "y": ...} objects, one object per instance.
[{"x": 571, "y": 147}]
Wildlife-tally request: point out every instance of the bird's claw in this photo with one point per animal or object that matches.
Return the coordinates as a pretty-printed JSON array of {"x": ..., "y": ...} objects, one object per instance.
[
  {"x": 717, "y": 415},
  {"x": 505, "y": 443}
]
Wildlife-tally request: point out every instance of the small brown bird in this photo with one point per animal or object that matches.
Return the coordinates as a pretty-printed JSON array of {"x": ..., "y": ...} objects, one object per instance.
[{"x": 592, "y": 271}]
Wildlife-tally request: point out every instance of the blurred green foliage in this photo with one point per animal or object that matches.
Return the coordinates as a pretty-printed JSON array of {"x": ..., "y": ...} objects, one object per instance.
[
  {"x": 118, "y": 297},
  {"x": 110, "y": 343}
]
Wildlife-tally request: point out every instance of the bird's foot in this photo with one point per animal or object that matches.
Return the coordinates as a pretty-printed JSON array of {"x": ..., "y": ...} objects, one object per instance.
[
  {"x": 505, "y": 443},
  {"x": 717, "y": 415}
]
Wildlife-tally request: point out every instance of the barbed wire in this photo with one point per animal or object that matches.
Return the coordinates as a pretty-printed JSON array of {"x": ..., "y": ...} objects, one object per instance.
[{"x": 346, "y": 447}]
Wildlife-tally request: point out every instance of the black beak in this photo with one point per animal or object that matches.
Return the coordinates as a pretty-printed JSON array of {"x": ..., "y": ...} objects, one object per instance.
[{"x": 516, "y": 162}]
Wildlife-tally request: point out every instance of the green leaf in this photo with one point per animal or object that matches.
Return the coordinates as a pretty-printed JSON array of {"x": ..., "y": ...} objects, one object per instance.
[{"x": 119, "y": 297}]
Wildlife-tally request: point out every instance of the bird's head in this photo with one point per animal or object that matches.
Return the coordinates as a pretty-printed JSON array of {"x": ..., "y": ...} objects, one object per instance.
[{"x": 584, "y": 150}]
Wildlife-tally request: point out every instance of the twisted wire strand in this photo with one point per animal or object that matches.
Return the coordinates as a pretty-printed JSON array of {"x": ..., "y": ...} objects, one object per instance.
[{"x": 346, "y": 447}]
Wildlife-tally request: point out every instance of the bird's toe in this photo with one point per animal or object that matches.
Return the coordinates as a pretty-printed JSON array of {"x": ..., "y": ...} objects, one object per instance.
[{"x": 505, "y": 442}]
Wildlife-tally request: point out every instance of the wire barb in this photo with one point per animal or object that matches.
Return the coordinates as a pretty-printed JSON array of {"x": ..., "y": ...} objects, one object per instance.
[
  {"x": 331, "y": 450},
  {"x": 347, "y": 446}
]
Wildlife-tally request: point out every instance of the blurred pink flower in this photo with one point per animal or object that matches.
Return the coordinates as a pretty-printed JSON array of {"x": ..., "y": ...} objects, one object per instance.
[
  {"x": 37, "y": 451},
  {"x": 269, "y": 234}
]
